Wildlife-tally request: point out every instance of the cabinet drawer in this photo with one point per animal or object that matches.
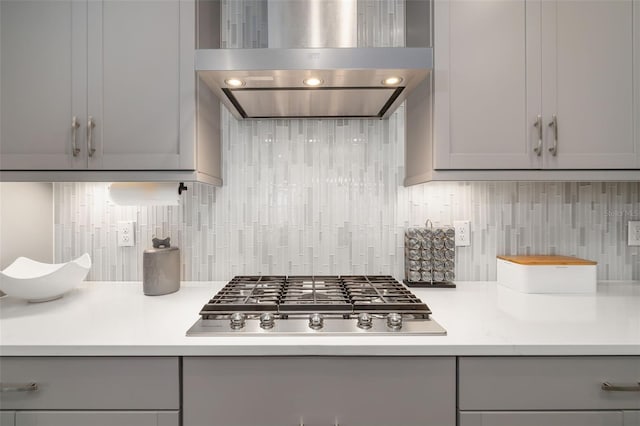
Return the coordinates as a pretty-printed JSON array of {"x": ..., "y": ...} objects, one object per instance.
[
  {"x": 547, "y": 383},
  {"x": 97, "y": 418},
  {"x": 83, "y": 383},
  {"x": 546, "y": 418},
  {"x": 354, "y": 391},
  {"x": 7, "y": 418}
]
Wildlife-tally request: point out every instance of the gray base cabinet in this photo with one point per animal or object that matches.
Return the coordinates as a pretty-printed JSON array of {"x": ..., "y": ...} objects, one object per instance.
[
  {"x": 631, "y": 418},
  {"x": 347, "y": 391},
  {"x": 90, "y": 391},
  {"x": 353, "y": 391},
  {"x": 96, "y": 418},
  {"x": 554, "y": 391},
  {"x": 7, "y": 418},
  {"x": 550, "y": 418}
]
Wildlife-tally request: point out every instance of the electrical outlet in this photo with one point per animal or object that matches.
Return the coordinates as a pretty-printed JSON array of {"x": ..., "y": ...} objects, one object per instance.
[
  {"x": 634, "y": 233},
  {"x": 126, "y": 235},
  {"x": 463, "y": 232}
]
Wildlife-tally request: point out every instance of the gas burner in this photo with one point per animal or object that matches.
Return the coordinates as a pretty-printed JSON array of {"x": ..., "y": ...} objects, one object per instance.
[{"x": 315, "y": 304}]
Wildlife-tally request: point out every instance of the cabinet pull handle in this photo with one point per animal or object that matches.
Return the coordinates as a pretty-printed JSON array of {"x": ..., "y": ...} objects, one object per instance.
[
  {"x": 18, "y": 387},
  {"x": 90, "y": 125},
  {"x": 554, "y": 123},
  {"x": 538, "y": 124},
  {"x": 606, "y": 386},
  {"x": 74, "y": 142}
]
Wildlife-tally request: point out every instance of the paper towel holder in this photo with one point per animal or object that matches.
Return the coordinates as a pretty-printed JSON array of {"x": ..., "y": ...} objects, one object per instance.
[{"x": 145, "y": 193}]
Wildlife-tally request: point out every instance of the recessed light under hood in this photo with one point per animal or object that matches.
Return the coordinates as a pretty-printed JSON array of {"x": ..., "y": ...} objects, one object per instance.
[
  {"x": 314, "y": 41},
  {"x": 351, "y": 80}
]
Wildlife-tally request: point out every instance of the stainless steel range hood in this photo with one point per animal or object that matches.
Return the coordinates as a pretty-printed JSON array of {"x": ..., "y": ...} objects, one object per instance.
[
  {"x": 352, "y": 80},
  {"x": 270, "y": 82}
]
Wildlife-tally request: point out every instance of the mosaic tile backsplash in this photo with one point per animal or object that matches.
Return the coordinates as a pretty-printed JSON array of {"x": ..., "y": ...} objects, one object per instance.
[
  {"x": 322, "y": 198},
  {"x": 326, "y": 197}
]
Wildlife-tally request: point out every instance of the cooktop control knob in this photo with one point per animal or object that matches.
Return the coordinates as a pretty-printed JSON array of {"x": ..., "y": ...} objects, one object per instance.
[
  {"x": 365, "y": 321},
  {"x": 315, "y": 321},
  {"x": 394, "y": 321},
  {"x": 267, "y": 321},
  {"x": 237, "y": 320}
]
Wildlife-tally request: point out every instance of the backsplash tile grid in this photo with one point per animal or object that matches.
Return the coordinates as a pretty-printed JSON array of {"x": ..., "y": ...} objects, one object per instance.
[{"x": 316, "y": 220}]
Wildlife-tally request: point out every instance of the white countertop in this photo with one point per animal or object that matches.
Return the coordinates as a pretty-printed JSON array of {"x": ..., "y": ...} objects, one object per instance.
[{"x": 481, "y": 318}]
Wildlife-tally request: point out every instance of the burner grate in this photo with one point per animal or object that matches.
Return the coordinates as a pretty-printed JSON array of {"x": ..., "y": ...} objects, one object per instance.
[
  {"x": 322, "y": 293},
  {"x": 382, "y": 294},
  {"x": 285, "y": 295},
  {"x": 247, "y": 294}
]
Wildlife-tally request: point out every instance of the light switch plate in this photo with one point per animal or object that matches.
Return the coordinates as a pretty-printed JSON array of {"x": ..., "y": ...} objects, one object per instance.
[
  {"x": 634, "y": 233},
  {"x": 126, "y": 234},
  {"x": 463, "y": 232}
]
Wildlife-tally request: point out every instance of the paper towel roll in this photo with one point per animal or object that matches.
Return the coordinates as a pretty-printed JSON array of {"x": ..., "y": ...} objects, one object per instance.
[{"x": 144, "y": 194}]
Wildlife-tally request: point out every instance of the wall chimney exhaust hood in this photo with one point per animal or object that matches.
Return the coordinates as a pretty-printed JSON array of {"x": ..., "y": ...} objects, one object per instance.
[
  {"x": 351, "y": 82},
  {"x": 313, "y": 69}
]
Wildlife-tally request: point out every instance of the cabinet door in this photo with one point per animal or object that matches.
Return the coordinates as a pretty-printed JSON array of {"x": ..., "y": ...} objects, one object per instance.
[
  {"x": 92, "y": 383},
  {"x": 97, "y": 418},
  {"x": 549, "y": 418},
  {"x": 588, "y": 84},
  {"x": 7, "y": 418},
  {"x": 546, "y": 383},
  {"x": 42, "y": 82},
  {"x": 487, "y": 84},
  {"x": 134, "y": 84},
  {"x": 355, "y": 391},
  {"x": 631, "y": 418}
]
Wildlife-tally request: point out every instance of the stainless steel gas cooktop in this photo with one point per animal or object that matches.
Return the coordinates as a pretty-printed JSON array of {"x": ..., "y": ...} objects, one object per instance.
[{"x": 302, "y": 305}]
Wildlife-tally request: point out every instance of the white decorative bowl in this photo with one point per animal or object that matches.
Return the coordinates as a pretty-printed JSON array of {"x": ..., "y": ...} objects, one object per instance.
[{"x": 40, "y": 282}]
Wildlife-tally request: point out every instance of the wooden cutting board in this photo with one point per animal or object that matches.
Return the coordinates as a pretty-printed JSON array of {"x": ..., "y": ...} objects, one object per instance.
[{"x": 547, "y": 260}]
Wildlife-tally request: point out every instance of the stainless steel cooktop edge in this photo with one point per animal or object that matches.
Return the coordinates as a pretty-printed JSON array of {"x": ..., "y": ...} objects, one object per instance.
[{"x": 332, "y": 327}]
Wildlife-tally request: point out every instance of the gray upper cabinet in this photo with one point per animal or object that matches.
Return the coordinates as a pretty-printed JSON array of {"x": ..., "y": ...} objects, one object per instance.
[
  {"x": 536, "y": 85},
  {"x": 588, "y": 84},
  {"x": 134, "y": 86},
  {"x": 123, "y": 72},
  {"x": 42, "y": 79},
  {"x": 485, "y": 102}
]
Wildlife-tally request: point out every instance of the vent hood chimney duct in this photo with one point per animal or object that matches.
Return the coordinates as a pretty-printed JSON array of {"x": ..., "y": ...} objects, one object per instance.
[{"x": 313, "y": 67}]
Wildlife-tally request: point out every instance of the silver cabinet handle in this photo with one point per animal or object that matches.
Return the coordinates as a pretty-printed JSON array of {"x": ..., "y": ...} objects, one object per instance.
[
  {"x": 90, "y": 125},
  {"x": 606, "y": 386},
  {"x": 538, "y": 124},
  {"x": 554, "y": 123},
  {"x": 74, "y": 130},
  {"x": 18, "y": 387}
]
